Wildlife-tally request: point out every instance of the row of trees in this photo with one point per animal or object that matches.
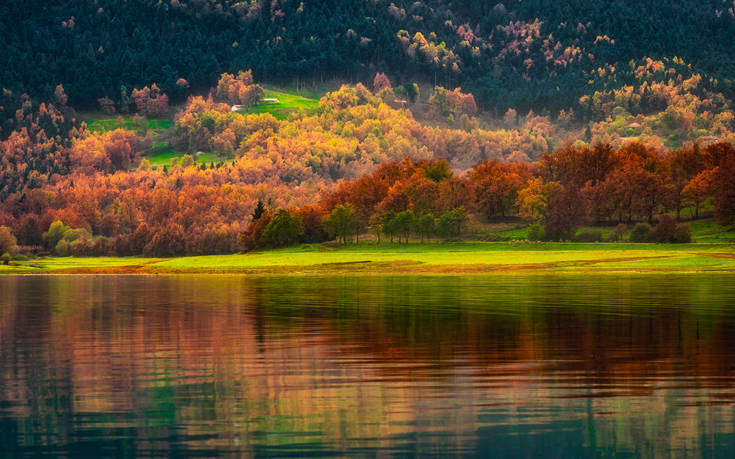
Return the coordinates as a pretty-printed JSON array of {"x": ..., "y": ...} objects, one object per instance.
[
  {"x": 565, "y": 190},
  {"x": 52, "y": 169}
]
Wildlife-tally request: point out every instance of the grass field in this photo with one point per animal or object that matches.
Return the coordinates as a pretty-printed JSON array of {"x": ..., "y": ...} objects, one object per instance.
[
  {"x": 703, "y": 231},
  {"x": 163, "y": 154},
  {"x": 431, "y": 258},
  {"x": 287, "y": 103},
  {"x": 109, "y": 124}
]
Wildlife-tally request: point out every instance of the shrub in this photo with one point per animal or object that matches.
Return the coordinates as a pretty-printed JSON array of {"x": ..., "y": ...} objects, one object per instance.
[
  {"x": 619, "y": 234},
  {"x": 62, "y": 249},
  {"x": 5, "y": 258},
  {"x": 683, "y": 234},
  {"x": 593, "y": 235},
  {"x": 536, "y": 233},
  {"x": 641, "y": 232},
  {"x": 665, "y": 230}
]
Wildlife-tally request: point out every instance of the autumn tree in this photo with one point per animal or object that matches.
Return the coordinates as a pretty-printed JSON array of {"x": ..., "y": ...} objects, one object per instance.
[
  {"x": 239, "y": 90},
  {"x": 29, "y": 231},
  {"x": 698, "y": 190},
  {"x": 532, "y": 201},
  {"x": 495, "y": 187},
  {"x": 8, "y": 243},
  {"x": 566, "y": 210},
  {"x": 721, "y": 159},
  {"x": 150, "y": 100}
]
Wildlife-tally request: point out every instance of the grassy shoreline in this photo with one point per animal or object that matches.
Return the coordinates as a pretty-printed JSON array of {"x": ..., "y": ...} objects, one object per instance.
[{"x": 430, "y": 258}]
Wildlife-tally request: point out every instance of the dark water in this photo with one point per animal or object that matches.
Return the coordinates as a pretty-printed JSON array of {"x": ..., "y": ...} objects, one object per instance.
[{"x": 528, "y": 366}]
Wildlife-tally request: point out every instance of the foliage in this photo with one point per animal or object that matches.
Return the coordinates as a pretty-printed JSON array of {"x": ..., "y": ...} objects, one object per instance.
[
  {"x": 341, "y": 222},
  {"x": 641, "y": 232},
  {"x": 285, "y": 228},
  {"x": 150, "y": 100},
  {"x": 8, "y": 243},
  {"x": 593, "y": 235}
]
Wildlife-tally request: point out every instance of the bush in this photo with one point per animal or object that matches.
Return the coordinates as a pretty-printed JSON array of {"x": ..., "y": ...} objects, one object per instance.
[
  {"x": 5, "y": 258},
  {"x": 62, "y": 249},
  {"x": 536, "y": 233},
  {"x": 683, "y": 234},
  {"x": 593, "y": 235},
  {"x": 619, "y": 234},
  {"x": 665, "y": 230},
  {"x": 641, "y": 233}
]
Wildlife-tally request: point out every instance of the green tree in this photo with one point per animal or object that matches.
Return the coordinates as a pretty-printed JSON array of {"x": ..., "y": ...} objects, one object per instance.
[
  {"x": 55, "y": 233},
  {"x": 450, "y": 222},
  {"x": 284, "y": 229},
  {"x": 376, "y": 225},
  {"x": 425, "y": 226},
  {"x": 8, "y": 243},
  {"x": 403, "y": 224},
  {"x": 259, "y": 210},
  {"x": 341, "y": 222},
  {"x": 389, "y": 224}
]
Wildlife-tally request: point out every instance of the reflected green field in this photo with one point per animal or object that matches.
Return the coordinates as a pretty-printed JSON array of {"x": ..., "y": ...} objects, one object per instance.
[{"x": 534, "y": 365}]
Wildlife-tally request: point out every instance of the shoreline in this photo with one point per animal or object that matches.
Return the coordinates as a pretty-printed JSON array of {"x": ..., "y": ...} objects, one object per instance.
[{"x": 466, "y": 258}]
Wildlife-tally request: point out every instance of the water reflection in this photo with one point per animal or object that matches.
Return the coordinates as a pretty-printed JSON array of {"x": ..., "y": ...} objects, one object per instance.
[{"x": 513, "y": 366}]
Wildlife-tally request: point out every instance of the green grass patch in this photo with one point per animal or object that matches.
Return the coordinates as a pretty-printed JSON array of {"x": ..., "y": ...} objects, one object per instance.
[
  {"x": 164, "y": 157},
  {"x": 75, "y": 264},
  {"x": 287, "y": 103},
  {"x": 467, "y": 257},
  {"x": 97, "y": 125},
  {"x": 709, "y": 231},
  {"x": 415, "y": 258}
]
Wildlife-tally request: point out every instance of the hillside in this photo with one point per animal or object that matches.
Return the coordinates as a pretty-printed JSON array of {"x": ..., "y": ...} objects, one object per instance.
[{"x": 521, "y": 54}]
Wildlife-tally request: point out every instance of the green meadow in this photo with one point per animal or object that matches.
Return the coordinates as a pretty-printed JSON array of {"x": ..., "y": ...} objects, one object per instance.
[
  {"x": 288, "y": 102},
  {"x": 415, "y": 258},
  {"x": 162, "y": 155},
  {"x": 104, "y": 124}
]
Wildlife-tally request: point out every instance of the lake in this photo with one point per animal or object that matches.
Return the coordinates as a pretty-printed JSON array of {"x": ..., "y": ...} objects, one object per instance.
[{"x": 507, "y": 366}]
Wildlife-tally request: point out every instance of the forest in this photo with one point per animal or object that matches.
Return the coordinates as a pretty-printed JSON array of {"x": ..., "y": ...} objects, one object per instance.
[
  {"x": 515, "y": 54},
  {"x": 357, "y": 163}
]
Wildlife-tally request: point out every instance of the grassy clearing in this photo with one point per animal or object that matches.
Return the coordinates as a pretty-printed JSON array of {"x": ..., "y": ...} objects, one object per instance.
[
  {"x": 703, "y": 231},
  {"x": 430, "y": 258},
  {"x": 709, "y": 231},
  {"x": 163, "y": 158},
  {"x": 108, "y": 124},
  {"x": 287, "y": 103},
  {"x": 77, "y": 265}
]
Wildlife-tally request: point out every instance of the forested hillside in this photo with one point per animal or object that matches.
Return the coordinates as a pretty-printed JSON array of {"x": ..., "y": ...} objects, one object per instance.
[
  {"x": 529, "y": 54},
  {"x": 355, "y": 161}
]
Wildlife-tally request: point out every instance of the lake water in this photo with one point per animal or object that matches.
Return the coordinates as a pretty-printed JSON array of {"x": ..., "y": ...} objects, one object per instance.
[{"x": 506, "y": 366}]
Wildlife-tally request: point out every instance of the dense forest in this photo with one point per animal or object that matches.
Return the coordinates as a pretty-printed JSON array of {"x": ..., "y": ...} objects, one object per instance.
[
  {"x": 516, "y": 54},
  {"x": 359, "y": 162},
  {"x": 407, "y": 119}
]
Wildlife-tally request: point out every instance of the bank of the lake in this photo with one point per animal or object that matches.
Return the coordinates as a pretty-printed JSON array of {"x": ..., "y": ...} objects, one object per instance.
[{"x": 430, "y": 258}]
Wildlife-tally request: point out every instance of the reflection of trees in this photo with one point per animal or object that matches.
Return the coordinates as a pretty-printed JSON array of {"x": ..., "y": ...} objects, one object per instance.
[{"x": 347, "y": 363}]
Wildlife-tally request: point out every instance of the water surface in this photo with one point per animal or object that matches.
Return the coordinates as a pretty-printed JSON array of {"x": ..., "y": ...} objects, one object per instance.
[{"x": 510, "y": 366}]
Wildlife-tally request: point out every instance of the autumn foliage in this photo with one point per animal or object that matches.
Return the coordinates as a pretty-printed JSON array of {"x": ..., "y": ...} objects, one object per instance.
[{"x": 355, "y": 166}]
